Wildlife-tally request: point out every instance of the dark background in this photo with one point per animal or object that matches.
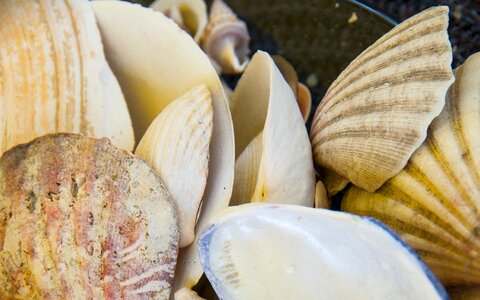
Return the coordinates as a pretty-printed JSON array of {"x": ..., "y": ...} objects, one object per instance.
[{"x": 464, "y": 27}]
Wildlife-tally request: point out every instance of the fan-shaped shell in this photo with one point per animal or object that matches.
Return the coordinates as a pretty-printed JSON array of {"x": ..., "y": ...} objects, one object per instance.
[
  {"x": 82, "y": 219},
  {"x": 376, "y": 113},
  {"x": 434, "y": 203},
  {"x": 54, "y": 76}
]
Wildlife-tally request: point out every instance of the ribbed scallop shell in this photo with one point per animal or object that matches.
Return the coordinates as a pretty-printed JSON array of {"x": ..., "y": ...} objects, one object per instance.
[
  {"x": 82, "y": 219},
  {"x": 376, "y": 113},
  {"x": 226, "y": 39},
  {"x": 54, "y": 76},
  {"x": 434, "y": 203},
  {"x": 177, "y": 145}
]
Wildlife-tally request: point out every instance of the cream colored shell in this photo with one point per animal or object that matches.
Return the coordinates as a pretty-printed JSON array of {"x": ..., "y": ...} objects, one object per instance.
[
  {"x": 54, "y": 76},
  {"x": 434, "y": 203},
  {"x": 376, "y": 113},
  {"x": 275, "y": 159},
  {"x": 153, "y": 69},
  {"x": 177, "y": 145}
]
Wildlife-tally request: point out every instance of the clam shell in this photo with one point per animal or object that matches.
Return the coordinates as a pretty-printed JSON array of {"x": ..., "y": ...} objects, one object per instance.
[
  {"x": 292, "y": 252},
  {"x": 226, "y": 39},
  {"x": 333, "y": 182},
  {"x": 376, "y": 113},
  {"x": 187, "y": 294},
  {"x": 177, "y": 145},
  {"x": 266, "y": 116},
  {"x": 190, "y": 14},
  {"x": 153, "y": 69},
  {"x": 82, "y": 219},
  {"x": 434, "y": 202},
  {"x": 54, "y": 76},
  {"x": 304, "y": 100}
]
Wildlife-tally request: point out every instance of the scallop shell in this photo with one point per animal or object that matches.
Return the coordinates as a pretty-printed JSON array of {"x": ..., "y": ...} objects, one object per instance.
[
  {"x": 188, "y": 14},
  {"x": 376, "y": 113},
  {"x": 434, "y": 202},
  {"x": 271, "y": 139},
  {"x": 177, "y": 145},
  {"x": 292, "y": 252},
  {"x": 82, "y": 219},
  {"x": 226, "y": 39},
  {"x": 54, "y": 76},
  {"x": 153, "y": 69}
]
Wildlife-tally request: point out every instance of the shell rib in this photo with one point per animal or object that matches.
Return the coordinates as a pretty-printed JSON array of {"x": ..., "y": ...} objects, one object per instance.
[
  {"x": 177, "y": 145},
  {"x": 54, "y": 76},
  {"x": 153, "y": 69},
  {"x": 267, "y": 119},
  {"x": 292, "y": 252},
  {"x": 226, "y": 39},
  {"x": 188, "y": 14},
  {"x": 83, "y": 219},
  {"x": 376, "y": 113},
  {"x": 434, "y": 203}
]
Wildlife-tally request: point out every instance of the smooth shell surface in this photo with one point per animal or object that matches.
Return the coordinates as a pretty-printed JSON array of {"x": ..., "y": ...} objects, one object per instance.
[
  {"x": 291, "y": 252},
  {"x": 156, "y": 62},
  {"x": 434, "y": 202},
  {"x": 376, "y": 113},
  {"x": 271, "y": 139},
  {"x": 54, "y": 76},
  {"x": 177, "y": 145},
  {"x": 82, "y": 219}
]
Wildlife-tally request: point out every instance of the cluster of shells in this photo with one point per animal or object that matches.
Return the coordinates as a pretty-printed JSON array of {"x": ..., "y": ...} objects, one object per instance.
[{"x": 223, "y": 182}]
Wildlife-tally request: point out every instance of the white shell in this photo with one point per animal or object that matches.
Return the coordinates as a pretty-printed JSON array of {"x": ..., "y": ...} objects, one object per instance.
[
  {"x": 177, "y": 145},
  {"x": 266, "y": 116},
  {"x": 292, "y": 252}
]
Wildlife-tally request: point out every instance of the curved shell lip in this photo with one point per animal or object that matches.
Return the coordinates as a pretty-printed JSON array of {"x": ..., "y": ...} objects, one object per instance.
[{"x": 206, "y": 236}]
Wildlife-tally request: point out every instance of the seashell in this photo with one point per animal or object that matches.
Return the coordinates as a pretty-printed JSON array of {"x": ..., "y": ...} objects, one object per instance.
[
  {"x": 434, "y": 202},
  {"x": 333, "y": 182},
  {"x": 187, "y": 294},
  {"x": 226, "y": 39},
  {"x": 376, "y": 113},
  {"x": 304, "y": 100},
  {"x": 153, "y": 69},
  {"x": 292, "y": 252},
  {"x": 177, "y": 145},
  {"x": 54, "y": 76},
  {"x": 300, "y": 90},
  {"x": 268, "y": 120},
  {"x": 321, "y": 199},
  {"x": 82, "y": 219},
  {"x": 191, "y": 15}
]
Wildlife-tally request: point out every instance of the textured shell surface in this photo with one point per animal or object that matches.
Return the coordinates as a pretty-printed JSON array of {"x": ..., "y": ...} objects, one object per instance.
[
  {"x": 226, "y": 39},
  {"x": 434, "y": 202},
  {"x": 271, "y": 251},
  {"x": 272, "y": 143},
  {"x": 376, "y": 113},
  {"x": 83, "y": 219},
  {"x": 177, "y": 145},
  {"x": 155, "y": 68},
  {"x": 54, "y": 76}
]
